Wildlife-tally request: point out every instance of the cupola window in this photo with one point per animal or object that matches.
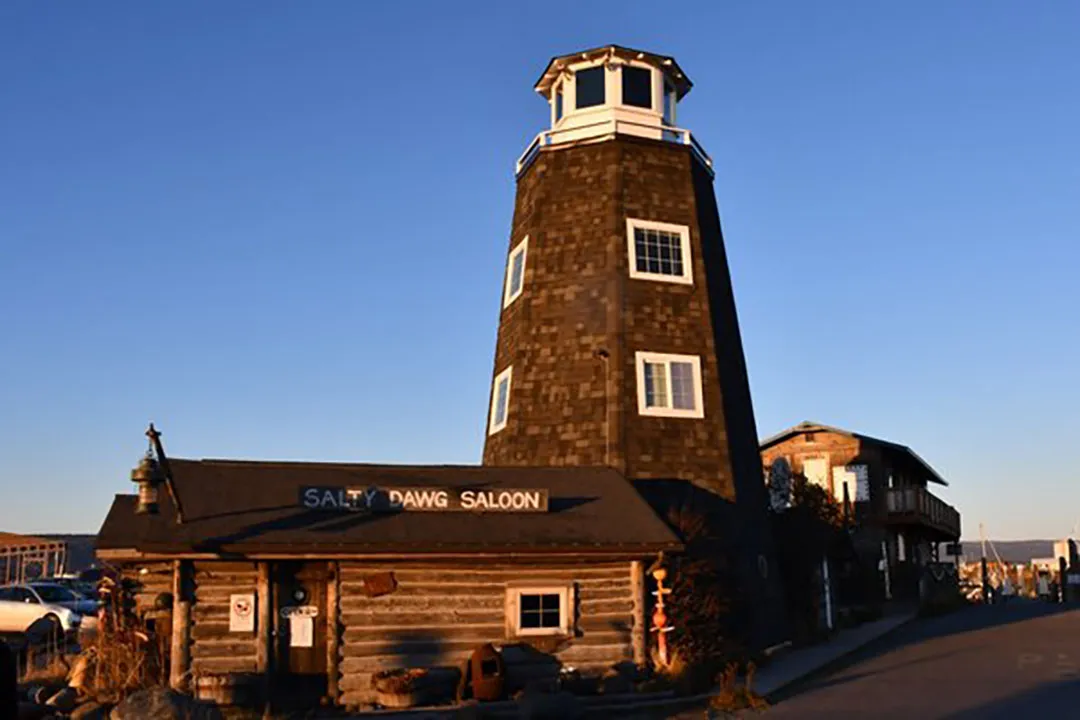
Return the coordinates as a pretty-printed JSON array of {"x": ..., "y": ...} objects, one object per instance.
[
  {"x": 558, "y": 103},
  {"x": 669, "y": 103},
  {"x": 637, "y": 87},
  {"x": 590, "y": 87}
]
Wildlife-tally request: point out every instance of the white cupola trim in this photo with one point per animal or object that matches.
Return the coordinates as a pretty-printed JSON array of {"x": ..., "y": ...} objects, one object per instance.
[{"x": 612, "y": 90}]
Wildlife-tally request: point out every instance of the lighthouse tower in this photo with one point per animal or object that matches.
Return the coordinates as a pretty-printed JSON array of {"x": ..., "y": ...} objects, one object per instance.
[{"x": 618, "y": 340}]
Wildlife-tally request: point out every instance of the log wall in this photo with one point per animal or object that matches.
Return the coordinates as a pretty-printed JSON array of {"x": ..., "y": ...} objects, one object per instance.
[
  {"x": 213, "y": 648},
  {"x": 438, "y": 615},
  {"x": 153, "y": 579}
]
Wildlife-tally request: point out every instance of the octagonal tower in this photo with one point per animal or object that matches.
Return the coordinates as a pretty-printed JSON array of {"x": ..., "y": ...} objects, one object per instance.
[{"x": 618, "y": 339}]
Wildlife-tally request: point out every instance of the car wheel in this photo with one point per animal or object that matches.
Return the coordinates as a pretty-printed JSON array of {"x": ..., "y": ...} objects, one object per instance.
[{"x": 53, "y": 628}]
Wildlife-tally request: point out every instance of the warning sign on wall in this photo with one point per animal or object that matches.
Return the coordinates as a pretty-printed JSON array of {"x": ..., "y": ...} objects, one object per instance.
[{"x": 242, "y": 613}]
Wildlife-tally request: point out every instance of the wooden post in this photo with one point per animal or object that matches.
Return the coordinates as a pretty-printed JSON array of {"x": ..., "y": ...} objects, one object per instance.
[
  {"x": 180, "y": 650},
  {"x": 264, "y": 626},
  {"x": 640, "y": 630},
  {"x": 333, "y": 633},
  {"x": 1063, "y": 573}
]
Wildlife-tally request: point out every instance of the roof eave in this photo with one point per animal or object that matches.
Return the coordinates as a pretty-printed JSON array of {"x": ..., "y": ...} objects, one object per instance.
[{"x": 667, "y": 63}]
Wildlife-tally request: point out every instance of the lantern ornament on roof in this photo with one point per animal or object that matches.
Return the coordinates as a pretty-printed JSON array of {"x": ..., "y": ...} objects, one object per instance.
[
  {"x": 148, "y": 477},
  {"x": 150, "y": 474}
]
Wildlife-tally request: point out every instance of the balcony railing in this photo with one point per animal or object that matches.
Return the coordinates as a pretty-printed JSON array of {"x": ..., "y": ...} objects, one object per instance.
[
  {"x": 919, "y": 505},
  {"x": 608, "y": 128}
]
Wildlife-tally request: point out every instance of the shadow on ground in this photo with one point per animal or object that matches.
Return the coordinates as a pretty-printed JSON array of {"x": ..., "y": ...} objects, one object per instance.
[
  {"x": 1060, "y": 699},
  {"x": 970, "y": 619}
]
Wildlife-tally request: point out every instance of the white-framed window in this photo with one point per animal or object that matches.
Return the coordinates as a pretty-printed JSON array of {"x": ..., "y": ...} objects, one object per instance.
[
  {"x": 857, "y": 480},
  {"x": 659, "y": 251},
  {"x": 500, "y": 401},
  {"x": 515, "y": 272},
  {"x": 669, "y": 385},
  {"x": 540, "y": 610}
]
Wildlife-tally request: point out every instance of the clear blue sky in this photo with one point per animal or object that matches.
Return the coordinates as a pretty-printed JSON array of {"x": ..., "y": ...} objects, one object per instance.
[{"x": 278, "y": 229}]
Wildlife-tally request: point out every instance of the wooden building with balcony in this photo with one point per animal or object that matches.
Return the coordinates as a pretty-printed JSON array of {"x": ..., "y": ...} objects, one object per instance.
[{"x": 887, "y": 488}]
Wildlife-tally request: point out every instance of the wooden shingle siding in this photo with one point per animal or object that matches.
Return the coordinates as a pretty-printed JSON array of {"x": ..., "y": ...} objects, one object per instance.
[
  {"x": 437, "y": 616},
  {"x": 213, "y": 648}
]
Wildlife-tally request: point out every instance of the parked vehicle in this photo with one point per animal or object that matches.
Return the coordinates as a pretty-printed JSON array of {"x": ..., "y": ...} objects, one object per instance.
[
  {"x": 87, "y": 590},
  {"x": 56, "y": 594},
  {"x": 22, "y": 606}
]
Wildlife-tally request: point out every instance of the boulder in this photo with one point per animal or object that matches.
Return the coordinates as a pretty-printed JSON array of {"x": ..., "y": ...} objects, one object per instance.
[
  {"x": 158, "y": 703},
  {"x": 92, "y": 710},
  {"x": 31, "y": 711},
  {"x": 534, "y": 705},
  {"x": 63, "y": 700}
]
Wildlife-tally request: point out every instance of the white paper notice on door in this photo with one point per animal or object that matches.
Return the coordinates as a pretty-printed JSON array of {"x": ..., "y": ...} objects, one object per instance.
[{"x": 301, "y": 631}]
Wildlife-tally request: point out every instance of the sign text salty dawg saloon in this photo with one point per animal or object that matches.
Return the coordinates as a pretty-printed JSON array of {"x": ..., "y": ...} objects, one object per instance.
[{"x": 423, "y": 499}]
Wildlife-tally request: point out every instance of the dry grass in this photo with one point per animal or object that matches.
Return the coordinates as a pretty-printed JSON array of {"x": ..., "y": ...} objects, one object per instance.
[{"x": 734, "y": 695}]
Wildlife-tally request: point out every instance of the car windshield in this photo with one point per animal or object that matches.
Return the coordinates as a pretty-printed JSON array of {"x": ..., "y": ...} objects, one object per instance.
[{"x": 54, "y": 593}]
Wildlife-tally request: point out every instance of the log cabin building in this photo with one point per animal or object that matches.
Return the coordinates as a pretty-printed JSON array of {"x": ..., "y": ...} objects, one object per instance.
[
  {"x": 336, "y": 587},
  {"x": 619, "y": 392},
  {"x": 887, "y": 488}
]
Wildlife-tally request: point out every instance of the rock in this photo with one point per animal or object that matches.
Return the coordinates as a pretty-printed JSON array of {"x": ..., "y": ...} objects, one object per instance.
[
  {"x": 92, "y": 710},
  {"x": 31, "y": 711},
  {"x": 158, "y": 703},
  {"x": 550, "y": 706},
  {"x": 63, "y": 700},
  {"x": 616, "y": 684}
]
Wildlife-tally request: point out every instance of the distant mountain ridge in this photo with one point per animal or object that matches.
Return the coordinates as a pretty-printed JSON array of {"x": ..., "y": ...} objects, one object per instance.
[{"x": 1011, "y": 551}]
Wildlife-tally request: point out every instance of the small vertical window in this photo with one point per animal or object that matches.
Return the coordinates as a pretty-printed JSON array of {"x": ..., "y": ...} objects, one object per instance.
[
  {"x": 515, "y": 272},
  {"x": 669, "y": 385},
  {"x": 637, "y": 87},
  {"x": 500, "y": 401},
  {"x": 558, "y": 103},
  {"x": 590, "y": 87},
  {"x": 659, "y": 251}
]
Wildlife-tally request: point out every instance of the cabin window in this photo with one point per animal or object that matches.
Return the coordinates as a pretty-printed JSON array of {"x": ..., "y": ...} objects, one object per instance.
[
  {"x": 515, "y": 272},
  {"x": 669, "y": 385},
  {"x": 590, "y": 87},
  {"x": 637, "y": 87},
  {"x": 659, "y": 251},
  {"x": 539, "y": 610},
  {"x": 500, "y": 401}
]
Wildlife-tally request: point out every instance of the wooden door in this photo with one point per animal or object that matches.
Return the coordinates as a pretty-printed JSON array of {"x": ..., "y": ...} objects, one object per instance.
[{"x": 300, "y": 613}]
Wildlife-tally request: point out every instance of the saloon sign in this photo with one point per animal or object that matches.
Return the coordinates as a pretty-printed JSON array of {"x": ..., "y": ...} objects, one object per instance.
[{"x": 423, "y": 499}]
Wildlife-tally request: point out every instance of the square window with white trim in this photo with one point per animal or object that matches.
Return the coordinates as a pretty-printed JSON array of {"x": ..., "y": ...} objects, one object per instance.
[
  {"x": 659, "y": 251},
  {"x": 669, "y": 385},
  {"x": 515, "y": 272},
  {"x": 500, "y": 401},
  {"x": 539, "y": 610}
]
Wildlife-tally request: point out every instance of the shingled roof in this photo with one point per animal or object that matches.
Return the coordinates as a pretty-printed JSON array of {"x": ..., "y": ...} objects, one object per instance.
[
  {"x": 252, "y": 509},
  {"x": 809, "y": 426}
]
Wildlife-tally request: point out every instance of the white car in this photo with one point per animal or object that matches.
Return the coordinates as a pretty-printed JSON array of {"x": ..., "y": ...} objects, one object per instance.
[{"x": 21, "y": 607}]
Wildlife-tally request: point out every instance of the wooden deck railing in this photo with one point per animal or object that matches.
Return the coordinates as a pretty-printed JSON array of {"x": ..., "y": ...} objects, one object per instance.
[{"x": 921, "y": 505}]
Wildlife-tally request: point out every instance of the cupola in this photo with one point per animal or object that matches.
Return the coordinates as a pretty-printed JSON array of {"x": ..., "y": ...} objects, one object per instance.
[{"x": 612, "y": 90}]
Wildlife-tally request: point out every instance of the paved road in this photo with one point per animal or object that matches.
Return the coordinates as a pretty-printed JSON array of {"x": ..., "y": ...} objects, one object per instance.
[{"x": 1018, "y": 660}]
